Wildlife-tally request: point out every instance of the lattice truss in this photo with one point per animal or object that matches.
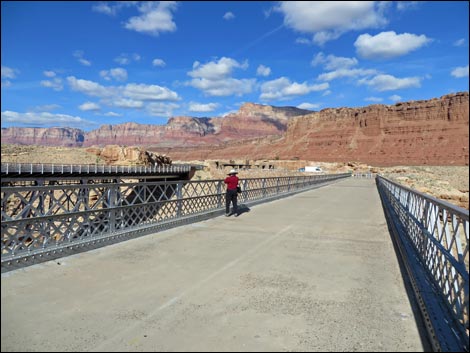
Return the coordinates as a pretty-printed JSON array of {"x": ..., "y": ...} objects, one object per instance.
[
  {"x": 44, "y": 217},
  {"x": 440, "y": 235}
]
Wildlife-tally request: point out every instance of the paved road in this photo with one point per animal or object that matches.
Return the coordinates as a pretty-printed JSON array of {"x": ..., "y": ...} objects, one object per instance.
[{"x": 312, "y": 272}]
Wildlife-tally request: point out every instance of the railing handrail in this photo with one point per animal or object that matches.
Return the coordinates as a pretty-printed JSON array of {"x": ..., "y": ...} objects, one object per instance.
[
  {"x": 437, "y": 233},
  {"x": 38, "y": 218}
]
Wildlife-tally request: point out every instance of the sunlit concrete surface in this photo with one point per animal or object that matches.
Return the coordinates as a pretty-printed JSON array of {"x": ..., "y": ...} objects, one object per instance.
[{"x": 312, "y": 272}]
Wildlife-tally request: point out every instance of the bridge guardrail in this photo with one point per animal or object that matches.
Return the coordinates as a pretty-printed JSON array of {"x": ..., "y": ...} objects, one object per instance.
[
  {"x": 433, "y": 238},
  {"x": 43, "y": 221}
]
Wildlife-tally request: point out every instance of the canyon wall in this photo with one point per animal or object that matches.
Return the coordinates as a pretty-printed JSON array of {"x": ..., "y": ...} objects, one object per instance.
[{"x": 427, "y": 132}]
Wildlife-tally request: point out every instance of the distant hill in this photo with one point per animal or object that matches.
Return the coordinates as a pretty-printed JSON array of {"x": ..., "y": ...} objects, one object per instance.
[{"x": 426, "y": 132}]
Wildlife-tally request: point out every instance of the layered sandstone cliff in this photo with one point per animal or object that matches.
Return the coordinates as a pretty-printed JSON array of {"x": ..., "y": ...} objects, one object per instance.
[
  {"x": 428, "y": 132},
  {"x": 432, "y": 132},
  {"x": 55, "y": 136}
]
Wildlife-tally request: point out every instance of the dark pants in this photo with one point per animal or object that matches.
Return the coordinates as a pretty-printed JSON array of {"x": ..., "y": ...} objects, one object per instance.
[{"x": 231, "y": 196}]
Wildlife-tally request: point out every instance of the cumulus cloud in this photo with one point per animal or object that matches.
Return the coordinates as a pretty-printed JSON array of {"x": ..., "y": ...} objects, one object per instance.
[
  {"x": 229, "y": 15},
  {"x": 342, "y": 73},
  {"x": 373, "y": 99},
  {"x": 328, "y": 20},
  {"x": 87, "y": 106},
  {"x": 129, "y": 96},
  {"x": 158, "y": 62},
  {"x": 282, "y": 88},
  {"x": 118, "y": 74},
  {"x": 126, "y": 59},
  {"x": 55, "y": 84},
  {"x": 112, "y": 114},
  {"x": 263, "y": 71},
  {"x": 332, "y": 62},
  {"x": 80, "y": 56},
  {"x": 460, "y": 42},
  {"x": 44, "y": 119},
  {"x": 460, "y": 72},
  {"x": 214, "y": 78},
  {"x": 49, "y": 73},
  {"x": 388, "y": 45},
  {"x": 308, "y": 106},
  {"x": 395, "y": 98},
  {"x": 389, "y": 82},
  {"x": 161, "y": 109},
  {"x": 8, "y": 72},
  {"x": 155, "y": 18},
  {"x": 202, "y": 108}
]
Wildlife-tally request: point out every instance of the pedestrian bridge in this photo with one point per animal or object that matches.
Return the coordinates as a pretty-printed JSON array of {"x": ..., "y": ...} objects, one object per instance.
[{"x": 321, "y": 270}]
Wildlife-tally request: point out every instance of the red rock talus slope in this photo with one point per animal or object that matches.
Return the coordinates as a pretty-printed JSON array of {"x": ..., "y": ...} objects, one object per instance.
[{"x": 428, "y": 132}]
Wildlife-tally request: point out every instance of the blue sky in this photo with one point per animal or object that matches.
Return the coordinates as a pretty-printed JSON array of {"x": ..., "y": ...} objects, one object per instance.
[{"x": 84, "y": 64}]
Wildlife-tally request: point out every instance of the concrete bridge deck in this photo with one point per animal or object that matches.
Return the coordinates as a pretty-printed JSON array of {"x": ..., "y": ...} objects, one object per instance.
[{"x": 312, "y": 272}]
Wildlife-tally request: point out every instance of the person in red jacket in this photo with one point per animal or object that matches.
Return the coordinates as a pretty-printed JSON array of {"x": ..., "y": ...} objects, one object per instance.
[{"x": 231, "y": 195}]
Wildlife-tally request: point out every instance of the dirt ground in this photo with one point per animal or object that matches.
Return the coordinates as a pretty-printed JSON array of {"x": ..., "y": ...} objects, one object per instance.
[{"x": 450, "y": 183}]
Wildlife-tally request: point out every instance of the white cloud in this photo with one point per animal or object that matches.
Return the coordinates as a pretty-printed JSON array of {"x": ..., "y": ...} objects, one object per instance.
[
  {"x": 126, "y": 59},
  {"x": 132, "y": 95},
  {"x": 49, "y": 73},
  {"x": 223, "y": 87},
  {"x": 407, "y": 5},
  {"x": 283, "y": 88},
  {"x": 389, "y": 83},
  {"x": 161, "y": 109},
  {"x": 79, "y": 55},
  {"x": 216, "y": 70},
  {"x": 55, "y": 84},
  {"x": 395, "y": 98},
  {"x": 328, "y": 20},
  {"x": 332, "y": 62},
  {"x": 308, "y": 106},
  {"x": 149, "y": 92},
  {"x": 340, "y": 73},
  {"x": 263, "y": 71},
  {"x": 373, "y": 99},
  {"x": 388, "y": 45},
  {"x": 459, "y": 72},
  {"x": 87, "y": 106},
  {"x": 214, "y": 78},
  {"x": 460, "y": 42},
  {"x": 105, "y": 8},
  {"x": 303, "y": 40},
  {"x": 158, "y": 62},
  {"x": 43, "y": 119},
  {"x": 156, "y": 17},
  {"x": 229, "y": 15},
  {"x": 113, "y": 114},
  {"x": 118, "y": 74},
  {"x": 46, "y": 107},
  {"x": 8, "y": 72},
  {"x": 127, "y": 103},
  {"x": 202, "y": 108},
  {"x": 112, "y": 10},
  {"x": 90, "y": 88}
]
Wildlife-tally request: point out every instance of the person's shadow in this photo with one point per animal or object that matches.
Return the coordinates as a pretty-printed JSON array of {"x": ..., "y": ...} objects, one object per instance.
[{"x": 242, "y": 208}]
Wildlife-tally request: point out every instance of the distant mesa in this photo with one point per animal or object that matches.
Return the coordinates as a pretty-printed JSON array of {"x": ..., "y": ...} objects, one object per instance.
[{"x": 432, "y": 132}]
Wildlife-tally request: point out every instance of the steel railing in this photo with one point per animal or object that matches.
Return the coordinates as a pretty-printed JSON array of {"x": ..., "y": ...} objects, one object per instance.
[
  {"x": 41, "y": 220},
  {"x": 8, "y": 169},
  {"x": 433, "y": 237}
]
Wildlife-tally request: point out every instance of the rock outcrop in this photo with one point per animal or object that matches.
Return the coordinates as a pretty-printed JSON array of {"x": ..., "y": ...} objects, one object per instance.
[
  {"x": 54, "y": 136},
  {"x": 426, "y": 132},
  {"x": 133, "y": 155}
]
